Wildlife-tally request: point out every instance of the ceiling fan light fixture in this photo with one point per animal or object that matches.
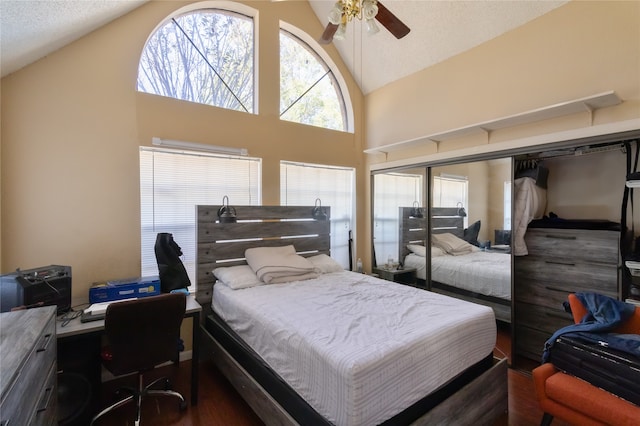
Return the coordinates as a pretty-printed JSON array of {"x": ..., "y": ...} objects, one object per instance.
[
  {"x": 369, "y": 9},
  {"x": 341, "y": 32},
  {"x": 344, "y": 11},
  {"x": 372, "y": 27},
  {"x": 335, "y": 15}
]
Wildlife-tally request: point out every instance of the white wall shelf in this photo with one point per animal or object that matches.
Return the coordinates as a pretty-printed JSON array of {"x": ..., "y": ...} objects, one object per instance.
[{"x": 588, "y": 104}]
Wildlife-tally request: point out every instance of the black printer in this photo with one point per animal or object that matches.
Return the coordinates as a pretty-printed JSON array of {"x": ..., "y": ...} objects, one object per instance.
[{"x": 44, "y": 286}]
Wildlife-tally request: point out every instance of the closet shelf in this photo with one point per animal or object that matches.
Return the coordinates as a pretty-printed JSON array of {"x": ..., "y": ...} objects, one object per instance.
[{"x": 587, "y": 104}]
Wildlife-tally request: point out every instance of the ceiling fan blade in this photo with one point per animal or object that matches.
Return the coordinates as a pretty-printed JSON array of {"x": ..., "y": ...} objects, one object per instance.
[
  {"x": 327, "y": 35},
  {"x": 391, "y": 22}
]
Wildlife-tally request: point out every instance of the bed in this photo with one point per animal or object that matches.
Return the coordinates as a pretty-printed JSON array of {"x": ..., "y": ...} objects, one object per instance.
[
  {"x": 480, "y": 276},
  {"x": 335, "y": 356}
]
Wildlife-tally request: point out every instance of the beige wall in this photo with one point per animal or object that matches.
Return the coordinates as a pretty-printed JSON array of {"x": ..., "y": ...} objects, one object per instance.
[
  {"x": 588, "y": 186},
  {"x": 577, "y": 50},
  {"x": 72, "y": 124}
]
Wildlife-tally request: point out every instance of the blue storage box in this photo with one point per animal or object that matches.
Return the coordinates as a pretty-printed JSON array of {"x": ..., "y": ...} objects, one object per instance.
[{"x": 124, "y": 289}]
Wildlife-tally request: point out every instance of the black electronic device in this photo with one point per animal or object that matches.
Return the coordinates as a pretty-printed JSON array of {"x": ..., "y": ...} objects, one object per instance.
[
  {"x": 612, "y": 370},
  {"x": 44, "y": 286}
]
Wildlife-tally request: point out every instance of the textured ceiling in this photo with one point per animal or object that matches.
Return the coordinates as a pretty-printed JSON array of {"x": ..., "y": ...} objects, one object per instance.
[
  {"x": 31, "y": 29},
  {"x": 439, "y": 30}
]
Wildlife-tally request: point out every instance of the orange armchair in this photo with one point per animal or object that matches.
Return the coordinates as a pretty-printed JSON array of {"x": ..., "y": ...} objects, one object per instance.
[{"x": 574, "y": 400}]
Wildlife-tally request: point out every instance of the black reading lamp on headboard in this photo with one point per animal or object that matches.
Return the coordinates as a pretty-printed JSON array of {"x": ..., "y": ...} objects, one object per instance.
[
  {"x": 226, "y": 213},
  {"x": 416, "y": 211},
  {"x": 318, "y": 213},
  {"x": 461, "y": 211}
]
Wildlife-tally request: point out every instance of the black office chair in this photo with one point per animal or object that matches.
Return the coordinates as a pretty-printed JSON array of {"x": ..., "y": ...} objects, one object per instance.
[{"x": 142, "y": 334}]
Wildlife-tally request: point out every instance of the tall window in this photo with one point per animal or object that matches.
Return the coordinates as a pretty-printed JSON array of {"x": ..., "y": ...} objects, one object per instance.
[
  {"x": 507, "y": 205},
  {"x": 302, "y": 183},
  {"x": 392, "y": 191},
  {"x": 173, "y": 183},
  {"x": 309, "y": 90},
  {"x": 451, "y": 191},
  {"x": 205, "y": 56}
]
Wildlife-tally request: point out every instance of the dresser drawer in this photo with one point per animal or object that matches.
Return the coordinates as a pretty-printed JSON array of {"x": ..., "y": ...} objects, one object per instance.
[
  {"x": 530, "y": 343},
  {"x": 573, "y": 245},
  {"x": 548, "y": 283},
  {"x": 45, "y": 412},
  {"x": 32, "y": 376},
  {"x": 546, "y": 319}
]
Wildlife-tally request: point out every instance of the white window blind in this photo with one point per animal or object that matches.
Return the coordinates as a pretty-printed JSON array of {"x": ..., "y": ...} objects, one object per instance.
[
  {"x": 507, "y": 205},
  {"x": 173, "y": 183},
  {"x": 451, "y": 191},
  {"x": 302, "y": 183},
  {"x": 392, "y": 191}
]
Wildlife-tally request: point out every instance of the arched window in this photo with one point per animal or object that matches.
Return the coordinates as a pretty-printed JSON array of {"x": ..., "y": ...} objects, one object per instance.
[
  {"x": 204, "y": 56},
  {"x": 311, "y": 90}
]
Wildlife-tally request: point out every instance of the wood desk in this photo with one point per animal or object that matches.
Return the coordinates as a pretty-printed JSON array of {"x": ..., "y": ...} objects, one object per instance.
[{"x": 77, "y": 329}]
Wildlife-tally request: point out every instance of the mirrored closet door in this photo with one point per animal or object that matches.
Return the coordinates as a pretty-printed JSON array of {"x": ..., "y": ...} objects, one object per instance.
[
  {"x": 399, "y": 219},
  {"x": 470, "y": 221}
]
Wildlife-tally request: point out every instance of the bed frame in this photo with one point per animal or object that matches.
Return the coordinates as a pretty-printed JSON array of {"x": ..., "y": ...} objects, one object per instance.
[
  {"x": 446, "y": 219},
  {"x": 482, "y": 391}
]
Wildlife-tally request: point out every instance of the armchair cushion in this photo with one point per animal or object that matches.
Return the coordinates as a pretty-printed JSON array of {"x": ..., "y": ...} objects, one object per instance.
[{"x": 578, "y": 402}]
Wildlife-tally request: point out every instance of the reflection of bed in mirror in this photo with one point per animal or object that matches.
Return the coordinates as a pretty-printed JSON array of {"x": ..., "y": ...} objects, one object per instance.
[
  {"x": 471, "y": 274},
  {"x": 323, "y": 364}
]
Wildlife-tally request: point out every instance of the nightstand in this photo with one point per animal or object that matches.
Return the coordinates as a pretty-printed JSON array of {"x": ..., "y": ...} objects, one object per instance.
[{"x": 402, "y": 276}]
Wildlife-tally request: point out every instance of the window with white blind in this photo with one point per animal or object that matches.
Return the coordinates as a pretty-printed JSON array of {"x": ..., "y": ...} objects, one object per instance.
[
  {"x": 392, "y": 191},
  {"x": 451, "y": 191},
  {"x": 173, "y": 183},
  {"x": 302, "y": 183}
]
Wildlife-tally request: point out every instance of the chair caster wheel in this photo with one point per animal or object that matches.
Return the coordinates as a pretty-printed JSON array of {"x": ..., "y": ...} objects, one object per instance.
[{"x": 183, "y": 405}]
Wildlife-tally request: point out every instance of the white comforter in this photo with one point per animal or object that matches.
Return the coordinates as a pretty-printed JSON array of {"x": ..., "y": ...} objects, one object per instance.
[
  {"x": 487, "y": 273},
  {"x": 358, "y": 349}
]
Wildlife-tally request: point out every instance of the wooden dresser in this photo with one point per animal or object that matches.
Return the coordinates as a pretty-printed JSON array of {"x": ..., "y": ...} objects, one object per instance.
[
  {"x": 560, "y": 261},
  {"x": 28, "y": 393}
]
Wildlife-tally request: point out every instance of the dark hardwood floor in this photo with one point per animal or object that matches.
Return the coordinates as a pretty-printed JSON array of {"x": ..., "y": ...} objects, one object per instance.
[{"x": 219, "y": 404}]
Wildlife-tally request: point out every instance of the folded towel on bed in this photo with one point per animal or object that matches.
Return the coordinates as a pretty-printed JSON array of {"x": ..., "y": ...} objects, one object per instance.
[
  {"x": 279, "y": 264},
  {"x": 452, "y": 244}
]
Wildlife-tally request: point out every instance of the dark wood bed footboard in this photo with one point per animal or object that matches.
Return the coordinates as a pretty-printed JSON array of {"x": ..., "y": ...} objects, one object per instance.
[
  {"x": 481, "y": 389},
  {"x": 501, "y": 307}
]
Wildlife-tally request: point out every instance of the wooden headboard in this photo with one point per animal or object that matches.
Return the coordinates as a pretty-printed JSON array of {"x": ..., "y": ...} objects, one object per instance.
[
  {"x": 414, "y": 230},
  {"x": 446, "y": 219},
  {"x": 223, "y": 244}
]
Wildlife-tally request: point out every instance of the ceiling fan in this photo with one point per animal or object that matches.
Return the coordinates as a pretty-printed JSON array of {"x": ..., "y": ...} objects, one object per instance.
[{"x": 345, "y": 10}]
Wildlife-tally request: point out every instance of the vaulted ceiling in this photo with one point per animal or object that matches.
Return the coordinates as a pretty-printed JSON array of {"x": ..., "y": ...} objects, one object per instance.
[{"x": 31, "y": 29}]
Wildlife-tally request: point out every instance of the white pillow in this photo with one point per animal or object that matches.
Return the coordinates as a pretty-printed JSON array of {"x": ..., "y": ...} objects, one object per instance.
[
  {"x": 452, "y": 244},
  {"x": 272, "y": 264},
  {"x": 417, "y": 249},
  {"x": 324, "y": 264},
  {"x": 237, "y": 277},
  {"x": 437, "y": 251}
]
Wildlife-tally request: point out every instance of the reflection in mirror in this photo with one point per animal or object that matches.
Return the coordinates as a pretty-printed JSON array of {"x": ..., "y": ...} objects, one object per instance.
[
  {"x": 471, "y": 233},
  {"x": 391, "y": 192}
]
